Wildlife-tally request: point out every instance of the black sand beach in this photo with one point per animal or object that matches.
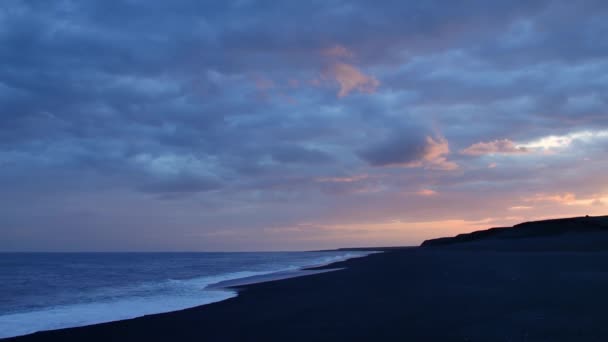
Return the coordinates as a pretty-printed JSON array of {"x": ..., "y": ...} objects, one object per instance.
[{"x": 539, "y": 293}]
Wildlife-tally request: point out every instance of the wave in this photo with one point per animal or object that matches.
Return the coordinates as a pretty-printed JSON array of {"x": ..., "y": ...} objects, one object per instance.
[{"x": 119, "y": 303}]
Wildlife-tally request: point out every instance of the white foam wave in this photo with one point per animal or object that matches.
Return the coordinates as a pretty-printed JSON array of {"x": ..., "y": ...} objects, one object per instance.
[
  {"x": 91, "y": 313},
  {"x": 140, "y": 300}
]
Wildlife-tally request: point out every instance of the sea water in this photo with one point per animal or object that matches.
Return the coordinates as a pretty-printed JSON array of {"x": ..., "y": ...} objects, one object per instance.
[{"x": 44, "y": 291}]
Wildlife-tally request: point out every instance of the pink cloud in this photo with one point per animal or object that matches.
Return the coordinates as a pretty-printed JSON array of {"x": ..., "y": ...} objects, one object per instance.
[
  {"x": 565, "y": 198},
  {"x": 350, "y": 79},
  {"x": 427, "y": 192},
  {"x": 504, "y": 146},
  {"x": 435, "y": 156},
  {"x": 568, "y": 199},
  {"x": 521, "y": 207}
]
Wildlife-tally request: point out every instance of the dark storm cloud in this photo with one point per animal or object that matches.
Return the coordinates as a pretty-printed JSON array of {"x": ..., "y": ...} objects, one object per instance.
[{"x": 245, "y": 104}]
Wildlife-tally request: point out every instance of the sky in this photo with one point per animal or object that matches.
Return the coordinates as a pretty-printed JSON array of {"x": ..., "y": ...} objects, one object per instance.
[{"x": 186, "y": 125}]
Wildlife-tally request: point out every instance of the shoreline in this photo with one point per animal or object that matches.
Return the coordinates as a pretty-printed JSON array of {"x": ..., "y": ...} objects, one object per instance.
[
  {"x": 234, "y": 284},
  {"x": 415, "y": 294},
  {"x": 230, "y": 288}
]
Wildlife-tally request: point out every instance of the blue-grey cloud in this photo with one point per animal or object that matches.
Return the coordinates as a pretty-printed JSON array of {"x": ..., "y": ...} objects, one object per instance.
[{"x": 396, "y": 150}]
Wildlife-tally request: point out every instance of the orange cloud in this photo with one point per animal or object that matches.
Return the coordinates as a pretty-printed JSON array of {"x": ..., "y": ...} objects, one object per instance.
[
  {"x": 504, "y": 146},
  {"x": 350, "y": 78}
]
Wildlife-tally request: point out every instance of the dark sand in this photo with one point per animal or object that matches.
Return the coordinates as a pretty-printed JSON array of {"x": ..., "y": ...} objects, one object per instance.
[{"x": 415, "y": 294}]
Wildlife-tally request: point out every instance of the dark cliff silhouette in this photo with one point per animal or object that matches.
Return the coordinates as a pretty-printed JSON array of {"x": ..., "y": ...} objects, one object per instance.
[{"x": 577, "y": 233}]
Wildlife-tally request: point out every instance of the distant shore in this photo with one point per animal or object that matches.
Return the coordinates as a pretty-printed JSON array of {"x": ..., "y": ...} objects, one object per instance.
[{"x": 404, "y": 294}]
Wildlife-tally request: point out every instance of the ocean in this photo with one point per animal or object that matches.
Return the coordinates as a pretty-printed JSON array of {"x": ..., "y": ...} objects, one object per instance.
[{"x": 43, "y": 291}]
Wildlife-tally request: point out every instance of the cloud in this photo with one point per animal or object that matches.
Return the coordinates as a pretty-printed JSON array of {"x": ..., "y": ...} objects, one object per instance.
[
  {"x": 568, "y": 198},
  {"x": 565, "y": 198},
  {"x": 409, "y": 151},
  {"x": 337, "y": 51},
  {"x": 521, "y": 207},
  {"x": 427, "y": 192},
  {"x": 435, "y": 155},
  {"x": 347, "y": 179},
  {"x": 299, "y": 154},
  {"x": 504, "y": 146},
  {"x": 262, "y": 83},
  {"x": 566, "y": 140},
  {"x": 350, "y": 79},
  {"x": 184, "y": 184},
  {"x": 405, "y": 150}
]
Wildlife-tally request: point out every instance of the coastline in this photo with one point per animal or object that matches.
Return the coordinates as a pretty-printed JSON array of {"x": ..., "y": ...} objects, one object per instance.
[
  {"x": 213, "y": 292},
  {"x": 235, "y": 284},
  {"x": 416, "y": 294}
]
